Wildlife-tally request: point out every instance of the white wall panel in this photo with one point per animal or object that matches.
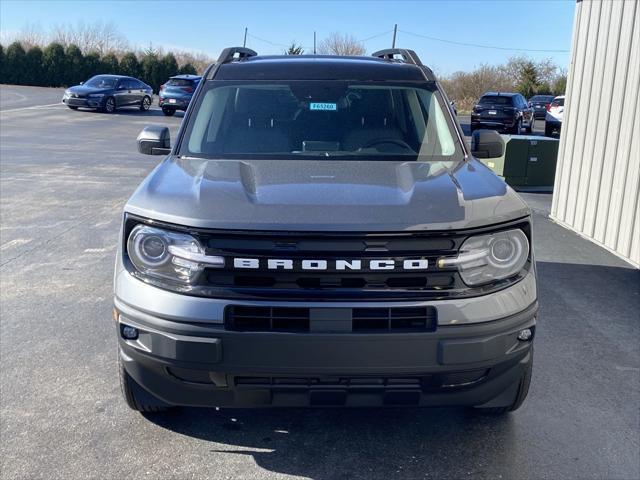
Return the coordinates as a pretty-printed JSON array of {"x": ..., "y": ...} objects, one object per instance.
[{"x": 597, "y": 185}]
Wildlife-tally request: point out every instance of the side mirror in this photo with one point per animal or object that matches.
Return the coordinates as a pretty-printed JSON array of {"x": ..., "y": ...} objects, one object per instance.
[
  {"x": 530, "y": 104},
  {"x": 154, "y": 140},
  {"x": 487, "y": 144}
]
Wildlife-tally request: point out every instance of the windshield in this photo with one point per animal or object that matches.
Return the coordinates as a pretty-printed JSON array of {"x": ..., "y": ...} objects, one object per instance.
[
  {"x": 102, "y": 81},
  {"x": 558, "y": 102},
  {"x": 298, "y": 119},
  {"x": 541, "y": 98},
  {"x": 495, "y": 100},
  {"x": 180, "y": 82}
]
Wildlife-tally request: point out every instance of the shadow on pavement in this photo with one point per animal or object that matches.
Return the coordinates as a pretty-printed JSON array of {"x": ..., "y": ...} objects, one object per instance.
[
  {"x": 356, "y": 443},
  {"x": 588, "y": 323},
  {"x": 132, "y": 111}
]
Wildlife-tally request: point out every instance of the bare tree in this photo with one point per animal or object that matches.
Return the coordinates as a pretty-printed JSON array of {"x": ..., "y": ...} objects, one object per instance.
[
  {"x": 341, "y": 44},
  {"x": 31, "y": 35},
  {"x": 100, "y": 37}
]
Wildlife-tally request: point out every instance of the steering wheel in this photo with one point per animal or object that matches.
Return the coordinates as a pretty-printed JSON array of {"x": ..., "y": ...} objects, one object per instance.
[{"x": 389, "y": 141}]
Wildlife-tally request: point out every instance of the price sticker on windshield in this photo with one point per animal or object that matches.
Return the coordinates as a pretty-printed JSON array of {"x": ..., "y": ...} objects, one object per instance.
[{"x": 323, "y": 106}]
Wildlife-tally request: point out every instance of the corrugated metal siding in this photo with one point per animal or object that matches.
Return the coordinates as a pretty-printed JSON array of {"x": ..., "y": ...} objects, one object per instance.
[{"x": 597, "y": 186}]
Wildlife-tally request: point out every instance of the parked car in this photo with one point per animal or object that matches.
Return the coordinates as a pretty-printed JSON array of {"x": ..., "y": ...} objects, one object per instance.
[
  {"x": 553, "y": 119},
  {"x": 177, "y": 92},
  {"x": 107, "y": 93},
  {"x": 540, "y": 104},
  {"x": 508, "y": 112},
  {"x": 320, "y": 234}
]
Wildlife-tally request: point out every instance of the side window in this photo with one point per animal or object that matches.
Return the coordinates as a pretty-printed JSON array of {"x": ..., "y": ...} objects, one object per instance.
[{"x": 137, "y": 84}]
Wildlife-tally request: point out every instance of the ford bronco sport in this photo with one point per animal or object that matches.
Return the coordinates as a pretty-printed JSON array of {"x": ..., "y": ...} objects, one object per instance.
[{"x": 321, "y": 235}]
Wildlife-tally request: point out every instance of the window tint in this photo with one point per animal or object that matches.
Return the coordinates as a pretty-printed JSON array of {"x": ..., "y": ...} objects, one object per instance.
[
  {"x": 320, "y": 120},
  {"x": 558, "y": 102},
  {"x": 101, "y": 81},
  {"x": 180, "y": 82},
  {"x": 495, "y": 100},
  {"x": 542, "y": 98}
]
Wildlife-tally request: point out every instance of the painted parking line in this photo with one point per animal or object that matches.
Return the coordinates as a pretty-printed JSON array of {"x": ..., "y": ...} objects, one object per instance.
[{"x": 34, "y": 107}]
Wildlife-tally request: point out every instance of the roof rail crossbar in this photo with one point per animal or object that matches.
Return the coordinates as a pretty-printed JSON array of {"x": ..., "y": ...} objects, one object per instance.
[
  {"x": 229, "y": 54},
  {"x": 408, "y": 56}
]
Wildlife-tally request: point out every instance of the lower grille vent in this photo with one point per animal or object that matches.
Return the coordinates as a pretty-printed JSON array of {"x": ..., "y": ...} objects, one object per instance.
[{"x": 357, "y": 320}]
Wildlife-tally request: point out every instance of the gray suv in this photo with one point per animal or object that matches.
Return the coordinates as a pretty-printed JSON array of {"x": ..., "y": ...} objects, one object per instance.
[{"x": 320, "y": 234}]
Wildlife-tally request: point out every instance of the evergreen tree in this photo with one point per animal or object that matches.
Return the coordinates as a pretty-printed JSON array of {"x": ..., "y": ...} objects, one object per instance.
[
  {"x": 560, "y": 85},
  {"x": 15, "y": 64},
  {"x": 150, "y": 66},
  {"x": 187, "y": 69},
  {"x": 2, "y": 79},
  {"x": 110, "y": 64},
  {"x": 294, "y": 49},
  {"x": 129, "y": 65},
  {"x": 169, "y": 66},
  {"x": 91, "y": 65},
  {"x": 75, "y": 65},
  {"x": 33, "y": 67},
  {"x": 54, "y": 64},
  {"x": 529, "y": 82}
]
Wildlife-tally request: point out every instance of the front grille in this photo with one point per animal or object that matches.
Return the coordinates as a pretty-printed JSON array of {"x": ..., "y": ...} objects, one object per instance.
[
  {"x": 326, "y": 320},
  {"x": 333, "y": 283},
  {"x": 424, "y": 383}
]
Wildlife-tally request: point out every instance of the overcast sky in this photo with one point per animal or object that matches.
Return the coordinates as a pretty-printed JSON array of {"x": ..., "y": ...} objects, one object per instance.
[{"x": 510, "y": 27}]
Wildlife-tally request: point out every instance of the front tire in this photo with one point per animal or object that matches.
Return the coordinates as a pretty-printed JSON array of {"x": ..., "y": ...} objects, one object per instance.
[
  {"x": 168, "y": 111},
  {"x": 136, "y": 397},
  {"x": 145, "y": 104},
  {"x": 109, "y": 105}
]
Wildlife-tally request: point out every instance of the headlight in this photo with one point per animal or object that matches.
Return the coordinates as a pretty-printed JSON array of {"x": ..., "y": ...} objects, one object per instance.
[
  {"x": 96, "y": 95},
  {"x": 165, "y": 254},
  {"x": 486, "y": 258}
]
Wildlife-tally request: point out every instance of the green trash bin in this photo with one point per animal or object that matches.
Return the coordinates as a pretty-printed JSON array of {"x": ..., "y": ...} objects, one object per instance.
[{"x": 529, "y": 162}]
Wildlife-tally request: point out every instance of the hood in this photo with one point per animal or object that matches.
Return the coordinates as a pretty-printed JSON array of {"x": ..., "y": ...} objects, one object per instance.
[
  {"x": 84, "y": 90},
  {"x": 319, "y": 195}
]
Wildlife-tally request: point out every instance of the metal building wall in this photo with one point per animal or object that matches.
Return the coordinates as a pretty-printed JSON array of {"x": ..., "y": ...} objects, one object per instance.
[{"x": 597, "y": 183}]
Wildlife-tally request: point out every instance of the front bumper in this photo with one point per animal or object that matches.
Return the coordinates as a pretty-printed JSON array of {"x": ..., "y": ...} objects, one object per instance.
[
  {"x": 200, "y": 364},
  {"x": 83, "y": 102}
]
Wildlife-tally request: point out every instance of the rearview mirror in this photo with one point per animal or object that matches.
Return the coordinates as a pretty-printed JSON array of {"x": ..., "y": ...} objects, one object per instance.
[
  {"x": 154, "y": 140},
  {"x": 487, "y": 144}
]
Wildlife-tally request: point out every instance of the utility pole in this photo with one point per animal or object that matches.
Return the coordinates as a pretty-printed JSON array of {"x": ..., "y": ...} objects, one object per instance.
[
  {"x": 244, "y": 43},
  {"x": 314, "y": 42},
  {"x": 395, "y": 30}
]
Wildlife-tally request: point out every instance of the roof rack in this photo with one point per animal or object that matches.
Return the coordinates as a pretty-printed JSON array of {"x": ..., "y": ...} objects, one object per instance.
[
  {"x": 229, "y": 54},
  {"x": 408, "y": 56}
]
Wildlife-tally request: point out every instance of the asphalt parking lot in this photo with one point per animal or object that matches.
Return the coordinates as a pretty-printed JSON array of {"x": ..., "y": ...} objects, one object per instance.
[{"x": 64, "y": 178}]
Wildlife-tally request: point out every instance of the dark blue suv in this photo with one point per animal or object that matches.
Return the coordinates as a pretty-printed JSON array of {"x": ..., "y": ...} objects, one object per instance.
[{"x": 177, "y": 92}]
